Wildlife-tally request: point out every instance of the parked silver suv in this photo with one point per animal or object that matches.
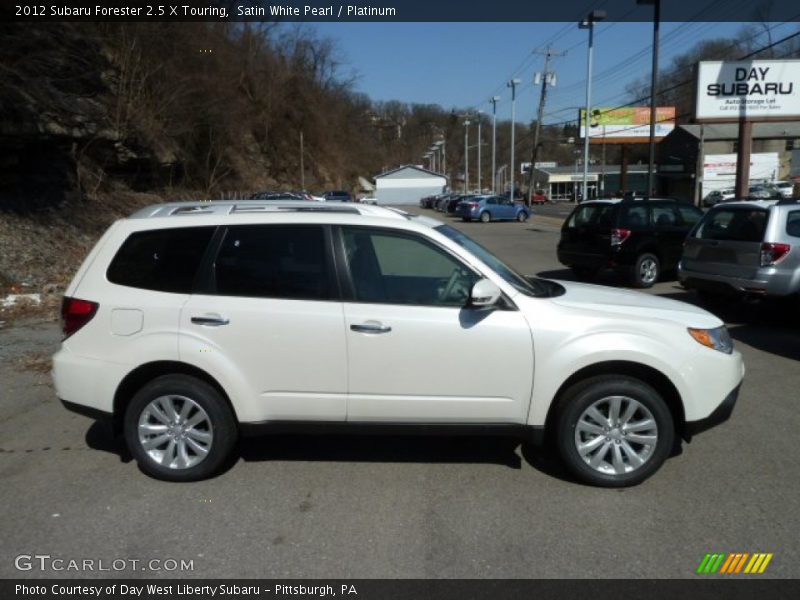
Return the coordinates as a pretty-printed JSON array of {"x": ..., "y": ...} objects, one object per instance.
[{"x": 747, "y": 247}]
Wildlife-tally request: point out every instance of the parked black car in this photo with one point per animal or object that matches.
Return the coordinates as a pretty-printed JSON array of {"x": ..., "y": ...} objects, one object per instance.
[
  {"x": 638, "y": 236},
  {"x": 452, "y": 203},
  {"x": 337, "y": 196}
]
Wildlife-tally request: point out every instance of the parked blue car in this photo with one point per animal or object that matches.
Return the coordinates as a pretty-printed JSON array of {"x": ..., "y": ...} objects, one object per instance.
[{"x": 492, "y": 208}]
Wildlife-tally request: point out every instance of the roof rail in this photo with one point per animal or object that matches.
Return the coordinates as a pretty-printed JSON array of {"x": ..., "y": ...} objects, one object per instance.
[
  {"x": 192, "y": 210},
  {"x": 251, "y": 208}
]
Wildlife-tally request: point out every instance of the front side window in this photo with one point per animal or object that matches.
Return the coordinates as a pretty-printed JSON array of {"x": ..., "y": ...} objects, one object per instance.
[
  {"x": 274, "y": 261},
  {"x": 690, "y": 214},
  {"x": 398, "y": 268},
  {"x": 164, "y": 260}
]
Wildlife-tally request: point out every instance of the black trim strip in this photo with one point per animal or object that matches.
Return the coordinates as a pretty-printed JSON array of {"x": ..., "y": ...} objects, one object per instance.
[
  {"x": 531, "y": 433},
  {"x": 87, "y": 411}
]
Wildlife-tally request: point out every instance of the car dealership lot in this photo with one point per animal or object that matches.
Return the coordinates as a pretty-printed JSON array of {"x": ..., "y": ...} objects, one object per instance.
[{"x": 302, "y": 506}]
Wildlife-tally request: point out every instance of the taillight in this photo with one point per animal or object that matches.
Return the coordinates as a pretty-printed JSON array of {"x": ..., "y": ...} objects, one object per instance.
[
  {"x": 772, "y": 254},
  {"x": 474, "y": 205},
  {"x": 76, "y": 313},
  {"x": 619, "y": 235}
]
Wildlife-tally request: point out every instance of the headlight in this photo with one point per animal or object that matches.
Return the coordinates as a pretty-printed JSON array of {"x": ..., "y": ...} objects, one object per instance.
[{"x": 717, "y": 339}]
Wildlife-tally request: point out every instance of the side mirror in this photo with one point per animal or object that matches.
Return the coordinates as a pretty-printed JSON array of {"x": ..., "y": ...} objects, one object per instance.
[{"x": 484, "y": 294}]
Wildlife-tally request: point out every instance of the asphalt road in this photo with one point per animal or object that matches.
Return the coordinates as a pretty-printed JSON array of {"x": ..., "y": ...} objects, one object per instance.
[{"x": 371, "y": 507}]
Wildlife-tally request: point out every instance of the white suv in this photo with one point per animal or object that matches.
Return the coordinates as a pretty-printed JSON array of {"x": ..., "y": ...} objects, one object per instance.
[{"x": 189, "y": 324}]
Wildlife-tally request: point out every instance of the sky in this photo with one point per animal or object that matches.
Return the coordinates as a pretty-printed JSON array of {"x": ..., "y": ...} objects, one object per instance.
[{"x": 463, "y": 64}]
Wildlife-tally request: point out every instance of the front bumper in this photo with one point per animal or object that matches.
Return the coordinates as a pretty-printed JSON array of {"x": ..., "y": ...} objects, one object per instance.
[{"x": 721, "y": 414}]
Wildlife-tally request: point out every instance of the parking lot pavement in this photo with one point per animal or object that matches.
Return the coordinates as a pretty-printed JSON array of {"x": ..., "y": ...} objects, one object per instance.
[{"x": 296, "y": 506}]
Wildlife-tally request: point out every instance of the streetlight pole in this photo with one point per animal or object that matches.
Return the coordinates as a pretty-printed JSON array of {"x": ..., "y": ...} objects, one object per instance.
[
  {"x": 480, "y": 119},
  {"x": 653, "y": 87},
  {"x": 588, "y": 23},
  {"x": 466, "y": 156},
  {"x": 513, "y": 85},
  {"x": 494, "y": 100}
]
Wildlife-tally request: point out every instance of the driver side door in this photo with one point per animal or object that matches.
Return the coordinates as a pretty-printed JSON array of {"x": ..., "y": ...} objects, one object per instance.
[{"x": 416, "y": 353}]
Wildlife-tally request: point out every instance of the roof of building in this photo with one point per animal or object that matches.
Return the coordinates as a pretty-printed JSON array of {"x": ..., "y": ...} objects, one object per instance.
[
  {"x": 607, "y": 169},
  {"x": 730, "y": 131},
  {"x": 420, "y": 170}
]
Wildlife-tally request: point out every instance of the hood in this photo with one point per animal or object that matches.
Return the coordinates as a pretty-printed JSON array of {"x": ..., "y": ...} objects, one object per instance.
[{"x": 634, "y": 304}]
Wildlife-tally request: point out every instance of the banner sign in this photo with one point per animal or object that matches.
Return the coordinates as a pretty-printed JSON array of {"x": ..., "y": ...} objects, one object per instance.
[
  {"x": 631, "y": 121},
  {"x": 751, "y": 89}
]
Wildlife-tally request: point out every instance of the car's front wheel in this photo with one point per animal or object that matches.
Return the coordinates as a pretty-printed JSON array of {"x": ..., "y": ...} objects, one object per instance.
[
  {"x": 179, "y": 428},
  {"x": 522, "y": 216},
  {"x": 614, "y": 431}
]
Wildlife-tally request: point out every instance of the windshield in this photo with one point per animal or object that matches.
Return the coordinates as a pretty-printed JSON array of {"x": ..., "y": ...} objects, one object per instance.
[{"x": 529, "y": 287}]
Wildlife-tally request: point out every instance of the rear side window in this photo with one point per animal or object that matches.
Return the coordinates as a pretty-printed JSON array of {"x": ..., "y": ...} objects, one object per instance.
[
  {"x": 274, "y": 261},
  {"x": 164, "y": 260},
  {"x": 733, "y": 224},
  {"x": 635, "y": 217},
  {"x": 593, "y": 215},
  {"x": 793, "y": 223}
]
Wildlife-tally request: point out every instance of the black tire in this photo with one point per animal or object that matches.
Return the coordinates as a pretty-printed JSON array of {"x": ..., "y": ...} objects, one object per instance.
[
  {"x": 466, "y": 219},
  {"x": 646, "y": 271},
  {"x": 580, "y": 397},
  {"x": 220, "y": 415},
  {"x": 522, "y": 216},
  {"x": 485, "y": 217}
]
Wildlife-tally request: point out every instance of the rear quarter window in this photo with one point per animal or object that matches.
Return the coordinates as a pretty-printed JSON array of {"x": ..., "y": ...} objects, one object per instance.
[
  {"x": 737, "y": 224},
  {"x": 164, "y": 260},
  {"x": 793, "y": 223},
  {"x": 593, "y": 215}
]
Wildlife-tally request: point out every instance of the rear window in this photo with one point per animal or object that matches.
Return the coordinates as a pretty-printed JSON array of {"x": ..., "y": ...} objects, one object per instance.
[
  {"x": 164, "y": 260},
  {"x": 593, "y": 215},
  {"x": 738, "y": 224}
]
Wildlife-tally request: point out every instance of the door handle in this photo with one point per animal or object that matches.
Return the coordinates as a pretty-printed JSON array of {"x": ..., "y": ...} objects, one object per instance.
[
  {"x": 370, "y": 327},
  {"x": 210, "y": 321}
]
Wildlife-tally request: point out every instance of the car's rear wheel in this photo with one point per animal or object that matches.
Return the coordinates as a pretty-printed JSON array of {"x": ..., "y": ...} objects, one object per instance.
[
  {"x": 179, "y": 428},
  {"x": 646, "y": 271},
  {"x": 614, "y": 431},
  {"x": 485, "y": 217},
  {"x": 522, "y": 216}
]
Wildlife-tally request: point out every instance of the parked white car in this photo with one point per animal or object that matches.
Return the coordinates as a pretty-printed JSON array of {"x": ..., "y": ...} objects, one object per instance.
[{"x": 190, "y": 324}]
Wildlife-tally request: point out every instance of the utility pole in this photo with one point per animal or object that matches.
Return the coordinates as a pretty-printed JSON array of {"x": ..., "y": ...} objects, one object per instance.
[
  {"x": 545, "y": 77},
  {"x": 466, "y": 156},
  {"x": 480, "y": 118},
  {"x": 493, "y": 100},
  {"x": 513, "y": 85}
]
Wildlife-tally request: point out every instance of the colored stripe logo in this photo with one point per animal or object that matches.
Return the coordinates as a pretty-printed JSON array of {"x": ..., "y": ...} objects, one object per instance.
[{"x": 734, "y": 563}]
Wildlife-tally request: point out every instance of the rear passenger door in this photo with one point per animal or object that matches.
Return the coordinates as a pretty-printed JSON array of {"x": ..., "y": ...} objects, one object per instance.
[{"x": 267, "y": 317}]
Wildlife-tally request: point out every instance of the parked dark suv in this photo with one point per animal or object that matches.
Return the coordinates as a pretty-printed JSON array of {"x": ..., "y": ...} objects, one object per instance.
[{"x": 641, "y": 237}]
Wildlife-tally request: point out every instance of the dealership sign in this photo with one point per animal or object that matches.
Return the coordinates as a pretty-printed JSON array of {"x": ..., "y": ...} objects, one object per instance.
[
  {"x": 628, "y": 122},
  {"x": 751, "y": 89}
]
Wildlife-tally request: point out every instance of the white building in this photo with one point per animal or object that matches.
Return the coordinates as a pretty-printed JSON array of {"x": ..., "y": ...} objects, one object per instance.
[{"x": 407, "y": 185}]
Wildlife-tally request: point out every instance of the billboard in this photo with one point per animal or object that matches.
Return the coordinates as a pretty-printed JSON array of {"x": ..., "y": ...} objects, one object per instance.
[
  {"x": 719, "y": 170},
  {"x": 752, "y": 88},
  {"x": 628, "y": 122}
]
